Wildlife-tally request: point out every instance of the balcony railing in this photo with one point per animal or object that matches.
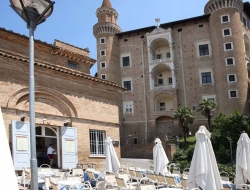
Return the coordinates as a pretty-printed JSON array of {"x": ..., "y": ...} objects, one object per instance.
[{"x": 161, "y": 60}]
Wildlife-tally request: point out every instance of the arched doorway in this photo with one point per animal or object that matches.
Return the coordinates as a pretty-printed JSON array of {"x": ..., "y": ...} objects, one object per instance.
[
  {"x": 46, "y": 135},
  {"x": 164, "y": 126}
]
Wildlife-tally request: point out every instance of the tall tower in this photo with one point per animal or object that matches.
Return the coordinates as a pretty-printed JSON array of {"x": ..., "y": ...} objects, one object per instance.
[
  {"x": 108, "y": 60},
  {"x": 230, "y": 68}
]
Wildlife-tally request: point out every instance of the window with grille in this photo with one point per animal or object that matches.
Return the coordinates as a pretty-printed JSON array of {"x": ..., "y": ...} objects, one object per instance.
[
  {"x": 128, "y": 109},
  {"x": 158, "y": 56},
  {"x": 162, "y": 106},
  {"x": 204, "y": 50},
  {"x": 160, "y": 81},
  {"x": 170, "y": 80},
  {"x": 127, "y": 85},
  {"x": 206, "y": 78},
  {"x": 168, "y": 55},
  {"x": 126, "y": 61},
  {"x": 97, "y": 142}
]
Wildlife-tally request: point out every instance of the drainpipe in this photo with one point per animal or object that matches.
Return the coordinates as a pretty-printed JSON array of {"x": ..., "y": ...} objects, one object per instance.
[
  {"x": 183, "y": 72},
  {"x": 145, "y": 95}
]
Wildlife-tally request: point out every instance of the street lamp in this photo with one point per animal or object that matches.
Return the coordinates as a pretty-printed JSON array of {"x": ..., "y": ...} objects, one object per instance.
[{"x": 33, "y": 12}]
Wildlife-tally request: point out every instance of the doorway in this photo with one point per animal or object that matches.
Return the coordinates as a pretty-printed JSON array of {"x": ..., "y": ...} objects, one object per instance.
[{"x": 46, "y": 135}]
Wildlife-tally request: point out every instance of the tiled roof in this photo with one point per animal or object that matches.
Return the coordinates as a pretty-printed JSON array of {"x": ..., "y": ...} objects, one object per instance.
[
  {"x": 59, "y": 68},
  {"x": 85, "y": 49}
]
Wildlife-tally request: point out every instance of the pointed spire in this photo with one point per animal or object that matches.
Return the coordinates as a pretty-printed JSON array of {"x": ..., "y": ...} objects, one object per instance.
[{"x": 106, "y": 3}]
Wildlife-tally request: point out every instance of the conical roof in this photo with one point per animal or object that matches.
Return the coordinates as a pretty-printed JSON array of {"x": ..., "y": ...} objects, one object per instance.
[{"x": 106, "y": 3}]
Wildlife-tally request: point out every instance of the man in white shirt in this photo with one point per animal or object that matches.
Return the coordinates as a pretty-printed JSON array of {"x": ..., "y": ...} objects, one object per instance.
[{"x": 50, "y": 153}]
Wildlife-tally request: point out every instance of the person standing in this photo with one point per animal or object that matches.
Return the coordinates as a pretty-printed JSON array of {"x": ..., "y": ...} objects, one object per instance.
[{"x": 50, "y": 153}]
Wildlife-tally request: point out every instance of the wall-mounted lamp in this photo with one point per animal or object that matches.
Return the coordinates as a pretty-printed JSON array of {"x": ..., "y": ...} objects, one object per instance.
[
  {"x": 116, "y": 142},
  {"x": 23, "y": 118}
]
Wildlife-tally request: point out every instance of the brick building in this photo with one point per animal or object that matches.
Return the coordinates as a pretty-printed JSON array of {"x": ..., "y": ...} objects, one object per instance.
[
  {"x": 74, "y": 111},
  {"x": 175, "y": 64}
]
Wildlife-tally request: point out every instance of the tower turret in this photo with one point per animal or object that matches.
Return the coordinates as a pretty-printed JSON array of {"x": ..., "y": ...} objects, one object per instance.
[
  {"x": 104, "y": 31},
  {"x": 229, "y": 63}
]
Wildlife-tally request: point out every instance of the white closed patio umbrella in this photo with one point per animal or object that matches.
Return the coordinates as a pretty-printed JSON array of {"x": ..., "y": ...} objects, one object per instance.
[
  {"x": 160, "y": 158},
  {"x": 204, "y": 171},
  {"x": 8, "y": 178},
  {"x": 112, "y": 162},
  {"x": 243, "y": 160}
]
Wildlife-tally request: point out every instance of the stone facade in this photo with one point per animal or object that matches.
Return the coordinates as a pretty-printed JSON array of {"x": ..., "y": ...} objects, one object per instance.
[
  {"x": 178, "y": 64},
  {"x": 64, "y": 91}
]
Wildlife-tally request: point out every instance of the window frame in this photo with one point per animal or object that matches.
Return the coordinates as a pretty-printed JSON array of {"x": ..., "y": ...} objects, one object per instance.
[
  {"x": 131, "y": 84},
  {"x": 104, "y": 64},
  {"x": 72, "y": 63},
  {"x": 204, "y": 42},
  {"x": 126, "y": 54},
  {"x": 206, "y": 78},
  {"x": 103, "y": 38},
  {"x": 208, "y": 97},
  {"x": 223, "y": 32},
  {"x": 228, "y": 16},
  {"x": 227, "y": 62},
  {"x": 204, "y": 50},
  {"x": 235, "y": 78},
  {"x": 158, "y": 55},
  {"x": 232, "y": 46},
  {"x": 229, "y": 93},
  {"x": 128, "y": 61},
  {"x": 103, "y": 50},
  {"x": 129, "y": 104},
  {"x": 97, "y": 152},
  {"x": 162, "y": 107},
  {"x": 105, "y": 76},
  {"x": 206, "y": 71}
]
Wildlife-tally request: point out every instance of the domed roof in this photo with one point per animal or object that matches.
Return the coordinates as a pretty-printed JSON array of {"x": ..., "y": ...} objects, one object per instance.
[{"x": 106, "y": 3}]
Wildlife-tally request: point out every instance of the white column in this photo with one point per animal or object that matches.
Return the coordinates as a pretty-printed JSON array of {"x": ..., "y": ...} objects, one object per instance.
[
  {"x": 173, "y": 79},
  {"x": 171, "y": 51}
]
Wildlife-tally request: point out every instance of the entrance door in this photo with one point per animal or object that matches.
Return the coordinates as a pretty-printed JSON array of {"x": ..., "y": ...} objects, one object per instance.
[
  {"x": 69, "y": 147},
  {"x": 20, "y": 144}
]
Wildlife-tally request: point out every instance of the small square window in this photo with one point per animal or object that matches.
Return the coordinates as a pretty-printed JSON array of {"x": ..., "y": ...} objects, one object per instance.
[
  {"x": 226, "y": 32},
  {"x": 104, "y": 76},
  {"x": 179, "y": 30},
  {"x": 125, "y": 40},
  {"x": 103, "y": 52},
  {"x": 127, "y": 85},
  {"x": 160, "y": 81},
  {"x": 158, "y": 56},
  {"x": 142, "y": 36},
  {"x": 200, "y": 25},
  {"x": 126, "y": 61},
  {"x": 225, "y": 18},
  {"x": 232, "y": 78},
  {"x": 160, "y": 75},
  {"x": 204, "y": 50},
  {"x": 103, "y": 65},
  {"x": 102, "y": 40},
  {"x": 233, "y": 93},
  {"x": 228, "y": 46},
  {"x": 230, "y": 61},
  {"x": 73, "y": 65}
]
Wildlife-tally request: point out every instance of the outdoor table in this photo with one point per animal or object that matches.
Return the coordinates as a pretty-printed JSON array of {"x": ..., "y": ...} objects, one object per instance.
[
  {"x": 66, "y": 184},
  {"x": 46, "y": 174}
]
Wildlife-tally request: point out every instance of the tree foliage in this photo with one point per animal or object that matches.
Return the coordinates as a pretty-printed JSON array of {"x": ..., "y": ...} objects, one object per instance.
[
  {"x": 185, "y": 116},
  {"x": 225, "y": 128},
  {"x": 206, "y": 106}
]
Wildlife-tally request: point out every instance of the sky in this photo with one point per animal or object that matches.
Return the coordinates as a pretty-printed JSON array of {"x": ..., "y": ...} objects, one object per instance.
[{"x": 72, "y": 21}]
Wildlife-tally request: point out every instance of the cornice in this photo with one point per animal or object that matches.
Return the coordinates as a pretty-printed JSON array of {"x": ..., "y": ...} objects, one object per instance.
[
  {"x": 59, "y": 68},
  {"x": 106, "y": 28}
]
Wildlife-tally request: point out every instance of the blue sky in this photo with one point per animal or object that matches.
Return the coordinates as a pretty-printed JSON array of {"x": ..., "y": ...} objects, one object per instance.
[{"x": 72, "y": 21}]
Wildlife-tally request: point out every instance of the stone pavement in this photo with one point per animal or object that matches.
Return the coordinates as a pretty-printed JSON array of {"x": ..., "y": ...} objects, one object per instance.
[{"x": 141, "y": 163}]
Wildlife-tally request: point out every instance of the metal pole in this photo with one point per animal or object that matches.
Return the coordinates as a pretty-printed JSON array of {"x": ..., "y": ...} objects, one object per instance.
[
  {"x": 230, "y": 140},
  {"x": 33, "y": 159}
]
